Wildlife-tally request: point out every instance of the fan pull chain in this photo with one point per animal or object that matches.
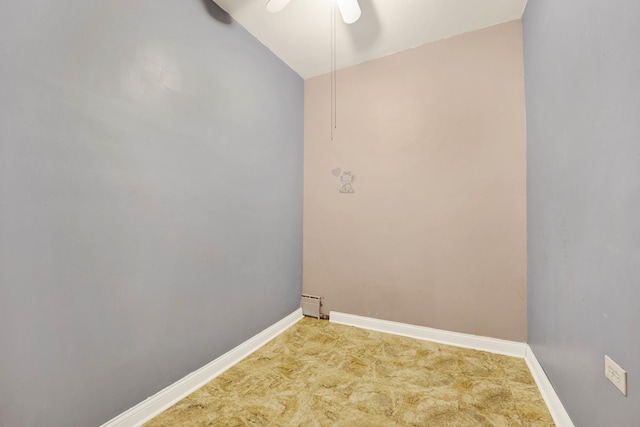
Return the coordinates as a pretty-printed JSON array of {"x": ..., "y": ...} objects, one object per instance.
[{"x": 333, "y": 70}]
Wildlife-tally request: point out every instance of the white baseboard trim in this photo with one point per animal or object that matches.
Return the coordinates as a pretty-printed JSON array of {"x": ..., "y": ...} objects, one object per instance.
[
  {"x": 170, "y": 395},
  {"x": 558, "y": 413},
  {"x": 476, "y": 342}
]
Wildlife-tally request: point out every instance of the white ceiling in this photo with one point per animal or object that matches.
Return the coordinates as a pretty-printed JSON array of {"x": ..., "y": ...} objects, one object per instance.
[{"x": 301, "y": 33}]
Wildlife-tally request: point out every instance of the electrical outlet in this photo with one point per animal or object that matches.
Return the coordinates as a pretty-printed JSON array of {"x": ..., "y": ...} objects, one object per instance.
[{"x": 615, "y": 374}]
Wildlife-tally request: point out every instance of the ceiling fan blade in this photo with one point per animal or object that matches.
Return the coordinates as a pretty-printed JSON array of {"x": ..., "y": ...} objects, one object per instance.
[
  {"x": 349, "y": 9},
  {"x": 276, "y": 5}
]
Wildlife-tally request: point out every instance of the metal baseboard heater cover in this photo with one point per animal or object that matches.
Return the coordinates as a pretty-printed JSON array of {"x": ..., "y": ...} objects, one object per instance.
[{"x": 311, "y": 305}]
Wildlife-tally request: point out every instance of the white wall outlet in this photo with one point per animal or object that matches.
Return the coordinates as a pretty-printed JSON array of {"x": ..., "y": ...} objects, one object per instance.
[{"x": 615, "y": 374}]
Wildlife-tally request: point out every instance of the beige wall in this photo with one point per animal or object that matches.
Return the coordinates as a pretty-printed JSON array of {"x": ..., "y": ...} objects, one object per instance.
[{"x": 435, "y": 233}]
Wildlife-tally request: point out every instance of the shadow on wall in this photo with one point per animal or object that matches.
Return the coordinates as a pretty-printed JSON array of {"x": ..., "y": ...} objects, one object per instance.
[
  {"x": 365, "y": 32},
  {"x": 216, "y": 12}
]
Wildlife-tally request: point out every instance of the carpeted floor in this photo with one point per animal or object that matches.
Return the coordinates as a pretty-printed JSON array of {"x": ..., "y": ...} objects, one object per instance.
[{"x": 321, "y": 374}]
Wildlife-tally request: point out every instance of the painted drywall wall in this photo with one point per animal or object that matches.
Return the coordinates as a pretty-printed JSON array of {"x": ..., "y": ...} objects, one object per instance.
[
  {"x": 150, "y": 200},
  {"x": 582, "y": 74},
  {"x": 434, "y": 234}
]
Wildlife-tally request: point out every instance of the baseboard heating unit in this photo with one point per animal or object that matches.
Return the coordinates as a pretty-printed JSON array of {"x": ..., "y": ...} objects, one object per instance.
[{"x": 311, "y": 305}]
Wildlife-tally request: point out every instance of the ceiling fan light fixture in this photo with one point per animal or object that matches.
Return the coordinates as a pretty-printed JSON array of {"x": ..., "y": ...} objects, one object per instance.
[
  {"x": 349, "y": 9},
  {"x": 276, "y": 5}
]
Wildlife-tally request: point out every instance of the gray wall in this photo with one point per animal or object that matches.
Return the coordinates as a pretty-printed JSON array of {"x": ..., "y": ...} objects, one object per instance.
[
  {"x": 582, "y": 74},
  {"x": 150, "y": 200}
]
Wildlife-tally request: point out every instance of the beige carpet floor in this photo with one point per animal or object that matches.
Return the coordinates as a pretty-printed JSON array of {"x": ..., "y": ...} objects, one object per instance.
[{"x": 321, "y": 374}]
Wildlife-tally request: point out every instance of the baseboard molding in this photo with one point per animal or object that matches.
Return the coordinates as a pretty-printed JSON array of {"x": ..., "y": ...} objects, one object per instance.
[
  {"x": 476, "y": 342},
  {"x": 559, "y": 414},
  {"x": 167, "y": 397}
]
